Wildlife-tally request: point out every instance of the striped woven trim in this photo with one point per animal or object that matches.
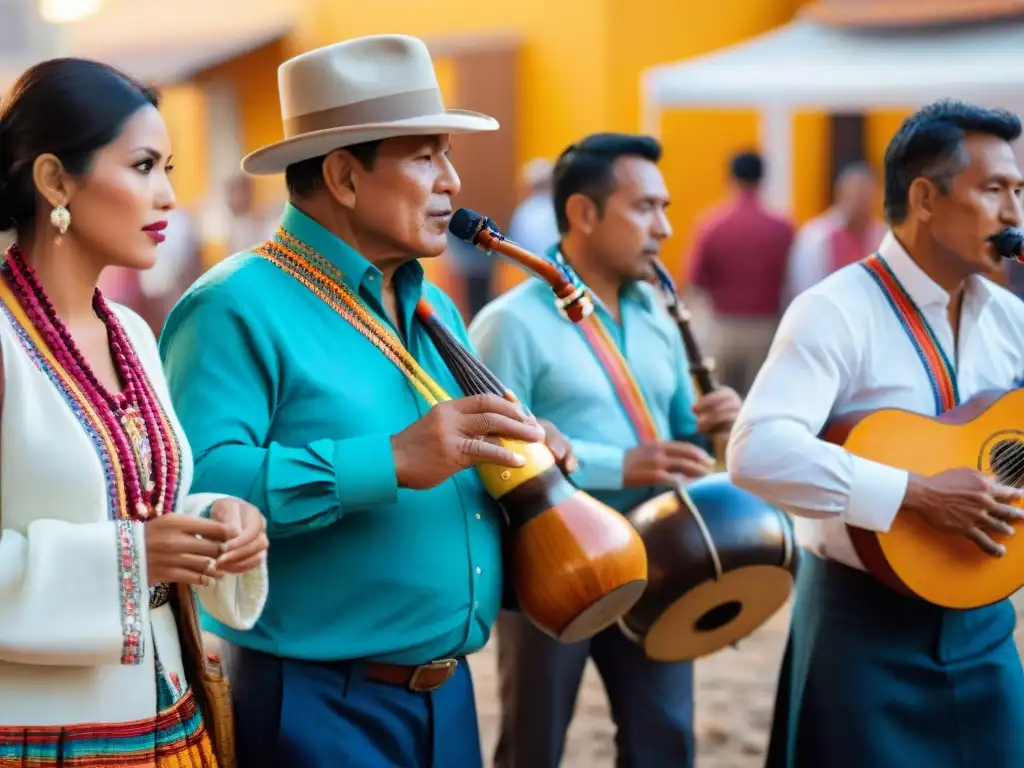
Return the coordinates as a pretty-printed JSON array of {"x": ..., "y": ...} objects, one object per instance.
[
  {"x": 941, "y": 374},
  {"x": 325, "y": 280},
  {"x": 175, "y": 738},
  {"x": 616, "y": 368}
]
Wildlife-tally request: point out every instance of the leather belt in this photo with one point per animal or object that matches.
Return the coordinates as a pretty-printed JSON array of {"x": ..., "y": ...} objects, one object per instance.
[{"x": 422, "y": 679}]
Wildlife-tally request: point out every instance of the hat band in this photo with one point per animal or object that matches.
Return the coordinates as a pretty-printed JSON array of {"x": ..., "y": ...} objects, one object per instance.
[{"x": 383, "y": 109}]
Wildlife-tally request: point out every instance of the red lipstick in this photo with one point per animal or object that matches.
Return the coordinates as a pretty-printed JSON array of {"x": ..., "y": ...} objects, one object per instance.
[{"x": 155, "y": 231}]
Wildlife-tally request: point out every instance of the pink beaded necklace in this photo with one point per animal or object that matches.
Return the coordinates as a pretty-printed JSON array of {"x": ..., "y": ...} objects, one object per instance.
[{"x": 145, "y": 447}]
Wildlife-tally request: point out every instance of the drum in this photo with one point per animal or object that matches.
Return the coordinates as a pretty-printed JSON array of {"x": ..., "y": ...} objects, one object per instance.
[{"x": 721, "y": 562}]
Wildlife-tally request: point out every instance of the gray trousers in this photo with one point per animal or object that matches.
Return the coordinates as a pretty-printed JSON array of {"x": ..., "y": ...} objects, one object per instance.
[
  {"x": 739, "y": 346},
  {"x": 651, "y": 702}
]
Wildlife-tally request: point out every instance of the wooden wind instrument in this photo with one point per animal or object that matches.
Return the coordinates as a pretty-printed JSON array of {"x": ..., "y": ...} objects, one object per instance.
[
  {"x": 701, "y": 368},
  {"x": 575, "y": 564}
]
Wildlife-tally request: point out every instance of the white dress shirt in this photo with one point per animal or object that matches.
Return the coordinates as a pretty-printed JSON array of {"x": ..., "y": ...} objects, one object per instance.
[{"x": 841, "y": 348}]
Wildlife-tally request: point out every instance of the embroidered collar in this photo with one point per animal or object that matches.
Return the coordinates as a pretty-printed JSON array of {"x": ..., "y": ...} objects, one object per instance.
[{"x": 357, "y": 271}]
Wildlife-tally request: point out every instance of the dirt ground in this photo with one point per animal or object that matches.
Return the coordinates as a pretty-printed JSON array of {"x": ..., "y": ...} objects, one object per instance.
[{"x": 735, "y": 692}]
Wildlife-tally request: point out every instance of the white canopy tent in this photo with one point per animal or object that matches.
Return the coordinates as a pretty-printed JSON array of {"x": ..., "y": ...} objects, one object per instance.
[{"x": 808, "y": 66}]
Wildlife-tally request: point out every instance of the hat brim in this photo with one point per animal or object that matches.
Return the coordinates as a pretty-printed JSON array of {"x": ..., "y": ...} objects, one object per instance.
[{"x": 276, "y": 157}]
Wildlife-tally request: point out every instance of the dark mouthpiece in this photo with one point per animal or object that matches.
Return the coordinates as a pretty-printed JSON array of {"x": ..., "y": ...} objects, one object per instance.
[
  {"x": 466, "y": 224},
  {"x": 663, "y": 276},
  {"x": 1008, "y": 243}
]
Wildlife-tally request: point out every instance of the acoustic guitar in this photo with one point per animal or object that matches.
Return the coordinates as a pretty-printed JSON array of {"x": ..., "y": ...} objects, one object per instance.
[{"x": 984, "y": 433}]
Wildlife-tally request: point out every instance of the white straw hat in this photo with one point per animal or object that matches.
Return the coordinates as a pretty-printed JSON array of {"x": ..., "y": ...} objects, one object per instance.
[{"x": 375, "y": 87}]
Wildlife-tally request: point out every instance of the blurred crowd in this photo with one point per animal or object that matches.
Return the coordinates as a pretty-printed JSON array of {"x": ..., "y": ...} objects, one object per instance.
[{"x": 746, "y": 261}]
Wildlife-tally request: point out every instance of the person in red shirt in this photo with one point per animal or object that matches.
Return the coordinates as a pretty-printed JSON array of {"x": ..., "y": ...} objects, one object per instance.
[
  {"x": 847, "y": 232},
  {"x": 739, "y": 261}
]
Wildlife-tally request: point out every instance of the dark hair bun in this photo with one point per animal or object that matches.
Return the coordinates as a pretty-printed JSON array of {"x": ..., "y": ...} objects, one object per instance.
[{"x": 66, "y": 107}]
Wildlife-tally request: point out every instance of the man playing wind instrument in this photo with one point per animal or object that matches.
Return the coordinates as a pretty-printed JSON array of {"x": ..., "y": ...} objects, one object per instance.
[{"x": 307, "y": 384}]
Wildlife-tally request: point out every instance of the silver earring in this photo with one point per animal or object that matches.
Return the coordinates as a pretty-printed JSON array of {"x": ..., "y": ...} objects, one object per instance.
[{"x": 60, "y": 218}]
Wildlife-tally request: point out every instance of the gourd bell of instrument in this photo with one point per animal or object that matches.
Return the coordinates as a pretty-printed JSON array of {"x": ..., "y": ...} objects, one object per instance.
[
  {"x": 576, "y": 564},
  {"x": 721, "y": 561}
]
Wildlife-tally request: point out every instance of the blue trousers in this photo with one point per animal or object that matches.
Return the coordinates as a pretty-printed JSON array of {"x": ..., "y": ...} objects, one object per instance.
[
  {"x": 874, "y": 678},
  {"x": 651, "y": 702},
  {"x": 299, "y": 714}
]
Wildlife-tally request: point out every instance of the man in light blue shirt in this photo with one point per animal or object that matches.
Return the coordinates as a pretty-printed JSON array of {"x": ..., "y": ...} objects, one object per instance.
[{"x": 610, "y": 201}]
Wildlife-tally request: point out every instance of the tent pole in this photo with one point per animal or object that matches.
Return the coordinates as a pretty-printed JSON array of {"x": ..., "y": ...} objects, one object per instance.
[
  {"x": 776, "y": 129},
  {"x": 650, "y": 114}
]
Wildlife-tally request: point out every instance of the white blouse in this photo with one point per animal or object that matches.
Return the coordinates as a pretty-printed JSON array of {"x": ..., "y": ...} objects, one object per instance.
[{"x": 78, "y": 641}]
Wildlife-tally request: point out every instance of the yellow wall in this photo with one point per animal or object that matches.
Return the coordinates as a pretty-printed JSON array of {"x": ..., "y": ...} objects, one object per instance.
[
  {"x": 580, "y": 72},
  {"x": 699, "y": 143},
  {"x": 881, "y": 125},
  {"x": 184, "y": 113},
  {"x": 254, "y": 77}
]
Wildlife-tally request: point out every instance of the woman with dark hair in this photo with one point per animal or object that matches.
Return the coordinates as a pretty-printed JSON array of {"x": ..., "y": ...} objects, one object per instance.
[{"x": 99, "y": 532}]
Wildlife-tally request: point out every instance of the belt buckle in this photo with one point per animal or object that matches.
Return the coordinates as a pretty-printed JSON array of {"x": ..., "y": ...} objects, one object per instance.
[{"x": 415, "y": 685}]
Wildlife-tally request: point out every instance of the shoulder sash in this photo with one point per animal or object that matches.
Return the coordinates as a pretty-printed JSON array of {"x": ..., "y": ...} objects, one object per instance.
[
  {"x": 324, "y": 279},
  {"x": 615, "y": 368},
  {"x": 941, "y": 374}
]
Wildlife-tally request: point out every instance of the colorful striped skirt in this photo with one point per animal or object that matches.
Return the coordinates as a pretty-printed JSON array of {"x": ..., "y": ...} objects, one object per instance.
[{"x": 175, "y": 738}]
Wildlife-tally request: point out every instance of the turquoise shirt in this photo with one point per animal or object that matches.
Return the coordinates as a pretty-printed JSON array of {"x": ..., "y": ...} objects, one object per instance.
[
  {"x": 546, "y": 361},
  {"x": 286, "y": 405}
]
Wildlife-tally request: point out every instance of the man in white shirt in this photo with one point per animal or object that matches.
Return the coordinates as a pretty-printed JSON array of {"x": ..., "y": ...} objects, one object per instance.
[{"x": 873, "y": 678}]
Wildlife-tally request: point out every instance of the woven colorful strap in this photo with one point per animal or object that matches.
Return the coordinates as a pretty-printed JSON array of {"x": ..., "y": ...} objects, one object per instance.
[
  {"x": 325, "y": 280},
  {"x": 620, "y": 377},
  {"x": 614, "y": 365},
  {"x": 940, "y": 372}
]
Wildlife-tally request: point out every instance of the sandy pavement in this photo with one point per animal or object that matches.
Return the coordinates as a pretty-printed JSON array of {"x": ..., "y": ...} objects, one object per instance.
[{"x": 735, "y": 692}]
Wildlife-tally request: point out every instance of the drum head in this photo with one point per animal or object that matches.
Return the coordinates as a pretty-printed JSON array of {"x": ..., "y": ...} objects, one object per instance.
[
  {"x": 718, "y": 613},
  {"x": 600, "y": 614}
]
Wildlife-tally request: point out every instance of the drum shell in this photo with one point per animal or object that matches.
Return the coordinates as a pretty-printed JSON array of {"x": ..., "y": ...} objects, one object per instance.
[{"x": 745, "y": 532}]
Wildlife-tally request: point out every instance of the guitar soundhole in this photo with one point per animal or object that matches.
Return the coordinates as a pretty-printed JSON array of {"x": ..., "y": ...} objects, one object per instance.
[{"x": 1007, "y": 460}]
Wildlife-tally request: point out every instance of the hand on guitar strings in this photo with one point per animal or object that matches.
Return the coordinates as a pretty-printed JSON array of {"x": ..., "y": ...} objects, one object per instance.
[
  {"x": 717, "y": 410},
  {"x": 453, "y": 435},
  {"x": 968, "y": 503},
  {"x": 660, "y": 464}
]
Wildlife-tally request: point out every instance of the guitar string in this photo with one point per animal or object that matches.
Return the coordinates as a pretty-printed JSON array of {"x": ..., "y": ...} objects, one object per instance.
[
  {"x": 1014, "y": 448},
  {"x": 1009, "y": 464},
  {"x": 1004, "y": 473}
]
